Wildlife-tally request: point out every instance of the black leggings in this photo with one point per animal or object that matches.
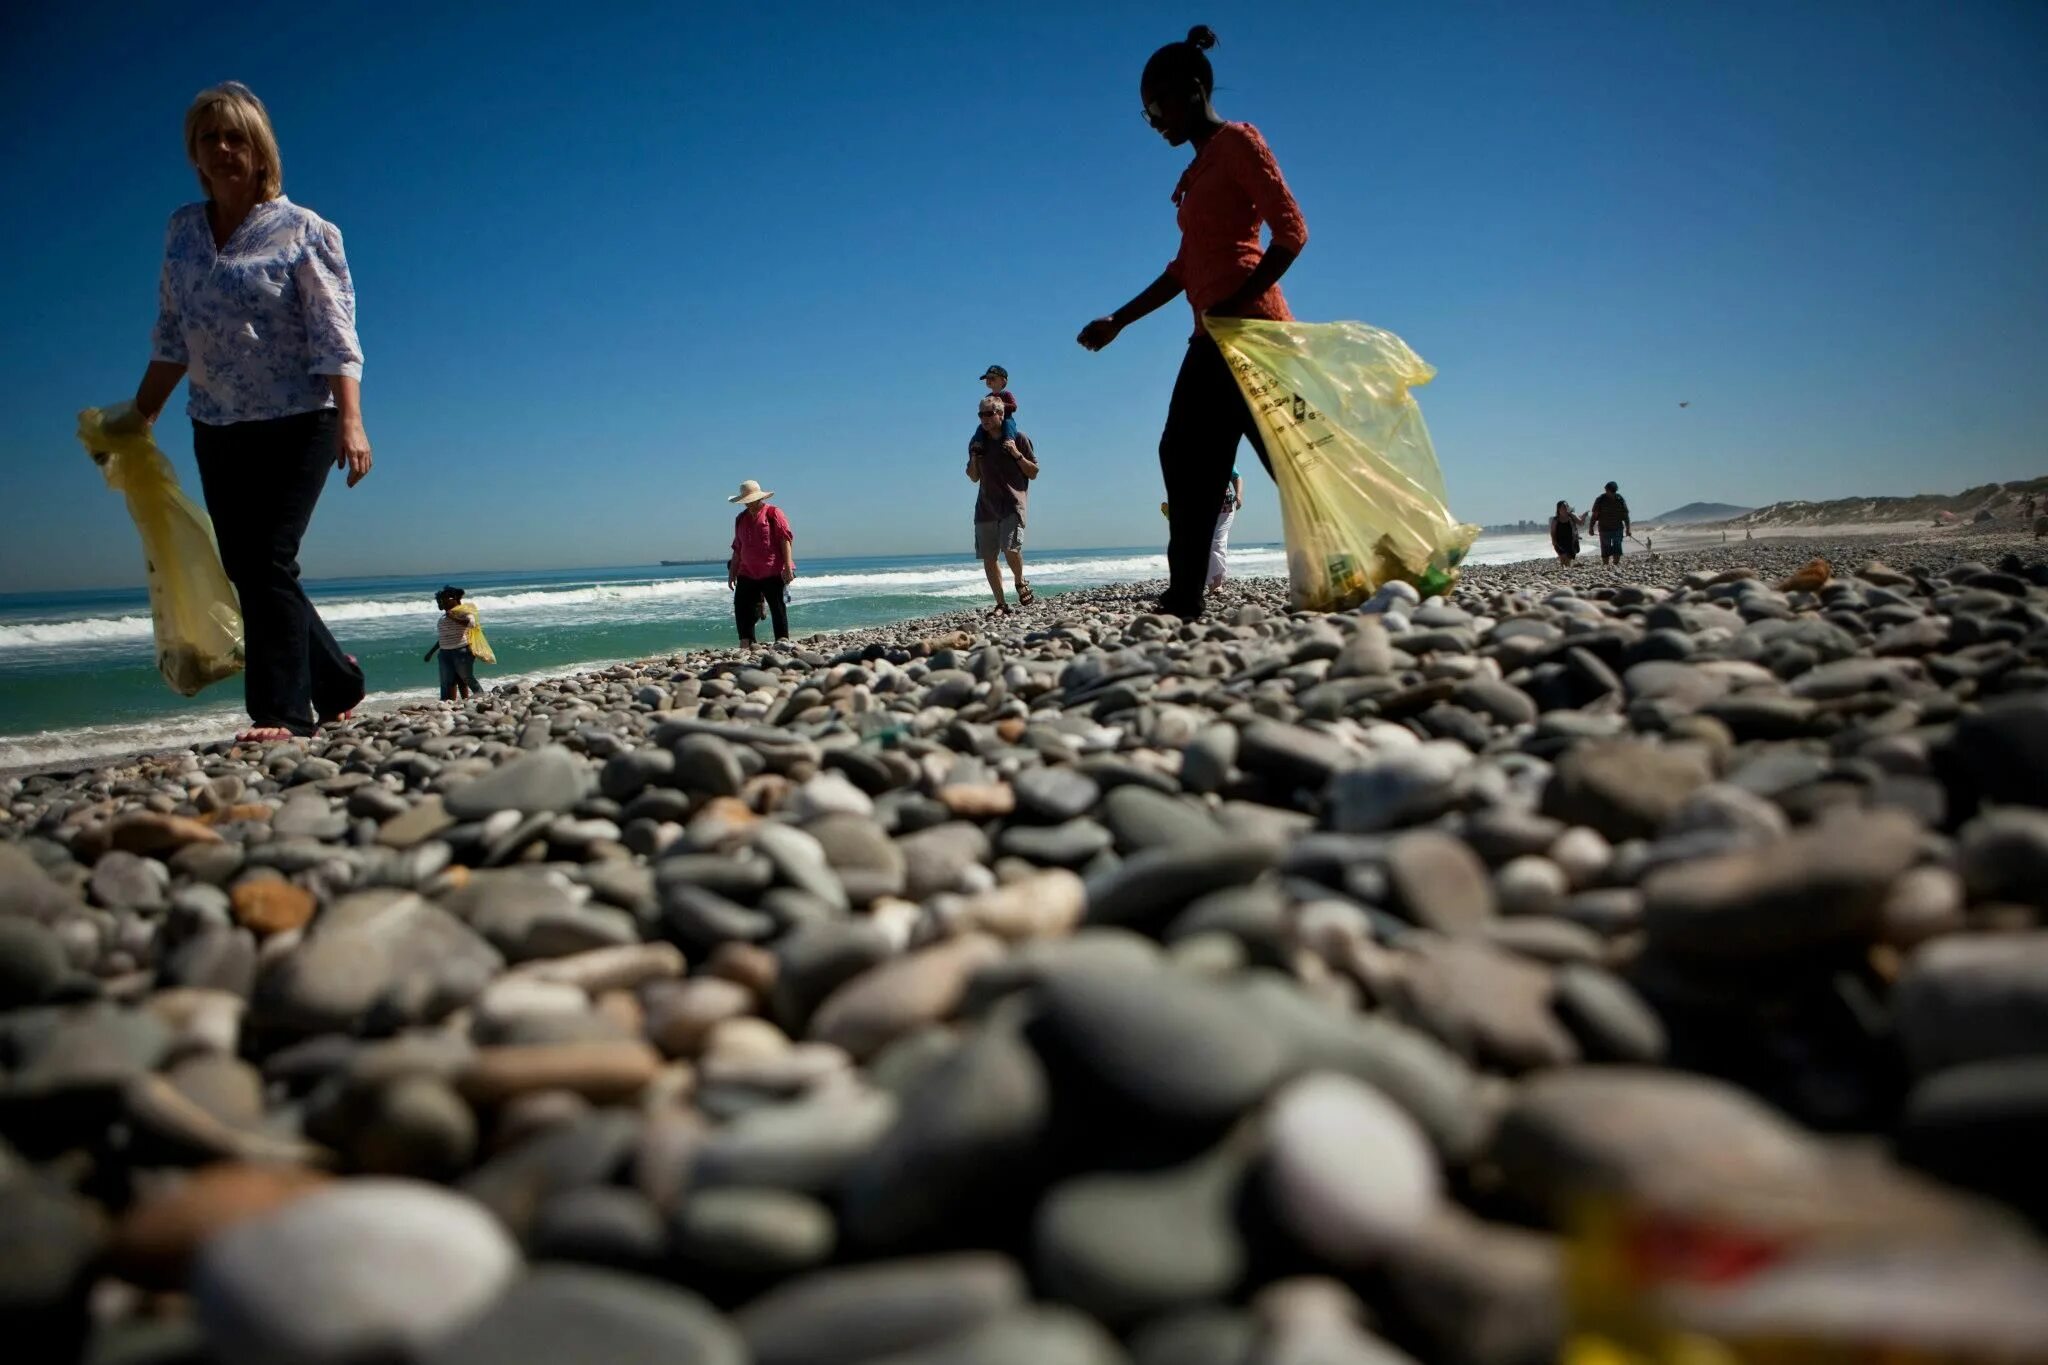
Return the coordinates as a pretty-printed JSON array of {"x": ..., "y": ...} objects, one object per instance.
[
  {"x": 1196, "y": 451},
  {"x": 747, "y": 602},
  {"x": 261, "y": 480}
]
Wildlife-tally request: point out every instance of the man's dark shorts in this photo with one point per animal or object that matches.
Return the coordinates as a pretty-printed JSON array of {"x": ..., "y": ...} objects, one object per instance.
[
  {"x": 1005, "y": 536},
  {"x": 1610, "y": 541}
]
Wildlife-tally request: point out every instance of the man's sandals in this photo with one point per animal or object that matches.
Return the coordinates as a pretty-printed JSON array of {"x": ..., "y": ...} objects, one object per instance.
[{"x": 1025, "y": 597}]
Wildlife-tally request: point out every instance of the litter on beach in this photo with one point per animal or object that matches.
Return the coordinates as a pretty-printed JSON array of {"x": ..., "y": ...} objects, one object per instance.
[
  {"x": 1361, "y": 497},
  {"x": 194, "y": 610}
]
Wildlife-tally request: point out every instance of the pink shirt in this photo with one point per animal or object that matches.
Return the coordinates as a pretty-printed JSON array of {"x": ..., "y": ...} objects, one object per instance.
[
  {"x": 757, "y": 542},
  {"x": 1233, "y": 186}
]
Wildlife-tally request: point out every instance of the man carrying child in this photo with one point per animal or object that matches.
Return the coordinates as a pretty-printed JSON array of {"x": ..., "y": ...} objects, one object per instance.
[{"x": 1002, "y": 468}]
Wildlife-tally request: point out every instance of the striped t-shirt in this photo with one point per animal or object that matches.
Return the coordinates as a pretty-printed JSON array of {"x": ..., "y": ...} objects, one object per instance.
[{"x": 454, "y": 631}]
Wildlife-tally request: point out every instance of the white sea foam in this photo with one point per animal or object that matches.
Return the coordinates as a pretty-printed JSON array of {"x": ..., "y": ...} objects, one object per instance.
[
  {"x": 600, "y": 602},
  {"x": 540, "y": 605},
  {"x": 596, "y": 603}
]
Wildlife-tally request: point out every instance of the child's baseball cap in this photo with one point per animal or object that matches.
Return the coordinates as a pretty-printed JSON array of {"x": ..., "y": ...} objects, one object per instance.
[{"x": 998, "y": 371}]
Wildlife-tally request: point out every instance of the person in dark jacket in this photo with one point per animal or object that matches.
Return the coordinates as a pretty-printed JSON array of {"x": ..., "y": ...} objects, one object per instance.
[{"x": 1611, "y": 521}]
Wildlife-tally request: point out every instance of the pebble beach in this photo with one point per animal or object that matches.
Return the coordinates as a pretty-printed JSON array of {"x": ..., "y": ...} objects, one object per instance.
[{"x": 1073, "y": 987}]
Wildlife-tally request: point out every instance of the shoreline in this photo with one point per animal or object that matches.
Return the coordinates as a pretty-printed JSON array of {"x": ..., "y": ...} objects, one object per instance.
[
  {"x": 1026, "y": 983},
  {"x": 1636, "y": 566}
]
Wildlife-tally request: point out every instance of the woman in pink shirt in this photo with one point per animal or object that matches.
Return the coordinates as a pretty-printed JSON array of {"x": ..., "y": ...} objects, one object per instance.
[
  {"x": 763, "y": 561},
  {"x": 1231, "y": 188}
]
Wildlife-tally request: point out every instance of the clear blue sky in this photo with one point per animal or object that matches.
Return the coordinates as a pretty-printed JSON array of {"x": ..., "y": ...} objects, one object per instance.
[{"x": 611, "y": 259}]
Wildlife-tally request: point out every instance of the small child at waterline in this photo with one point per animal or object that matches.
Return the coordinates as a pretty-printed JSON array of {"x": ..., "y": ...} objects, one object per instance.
[{"x": 459, "y": 640}]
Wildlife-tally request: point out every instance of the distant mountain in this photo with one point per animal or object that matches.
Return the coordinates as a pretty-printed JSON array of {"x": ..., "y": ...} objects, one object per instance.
[
  {"x": 1986, "y": 502},
  {"x": 1695, "y": 512}
]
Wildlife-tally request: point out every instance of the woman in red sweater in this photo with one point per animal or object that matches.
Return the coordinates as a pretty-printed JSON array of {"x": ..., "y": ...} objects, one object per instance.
[{"x": 1231, "y": 188}]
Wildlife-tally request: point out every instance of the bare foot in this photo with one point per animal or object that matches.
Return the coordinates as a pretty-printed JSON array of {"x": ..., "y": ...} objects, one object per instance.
[
  {"x": 265, "y": 734},
  {"x": 349, "y": 714}
]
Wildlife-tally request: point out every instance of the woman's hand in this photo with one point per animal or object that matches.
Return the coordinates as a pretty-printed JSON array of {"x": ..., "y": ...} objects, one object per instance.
[
  {"x": 1099, "y": 333},
  {"x": 352, "y": 449},
  {"x": 788, "y": 572}
]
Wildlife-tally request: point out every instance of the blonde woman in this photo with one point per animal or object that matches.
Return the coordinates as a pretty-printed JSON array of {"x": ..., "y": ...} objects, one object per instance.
[{"x": 256, "y": 313}]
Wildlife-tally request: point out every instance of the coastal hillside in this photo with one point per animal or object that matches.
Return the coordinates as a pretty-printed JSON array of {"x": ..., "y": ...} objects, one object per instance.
[
  {"x": 1696, "y": 513},
  {"x": 1986, "y": 502}
]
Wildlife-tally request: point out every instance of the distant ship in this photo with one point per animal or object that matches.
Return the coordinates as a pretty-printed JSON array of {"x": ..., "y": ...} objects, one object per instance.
[{"x": 688, "y": 563}]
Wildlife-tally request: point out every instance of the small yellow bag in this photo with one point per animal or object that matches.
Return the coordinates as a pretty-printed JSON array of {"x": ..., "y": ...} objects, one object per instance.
[
  {"x": 1361, "y": 497},
  {"x": 198, "y": 618},
  {"x": 479, "y": 647}
]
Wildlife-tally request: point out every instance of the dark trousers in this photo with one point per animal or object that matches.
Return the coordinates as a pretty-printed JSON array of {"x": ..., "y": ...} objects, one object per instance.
[
  {"x": 261, "y": 480},
  {"x": 1196, "y": 451},
  {"x": 746, "y": 604},
  {"x": 458, "y": 673}
]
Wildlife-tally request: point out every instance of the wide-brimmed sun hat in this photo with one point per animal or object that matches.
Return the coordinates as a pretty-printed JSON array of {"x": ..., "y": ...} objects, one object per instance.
[{"x": 750, "y": 493}]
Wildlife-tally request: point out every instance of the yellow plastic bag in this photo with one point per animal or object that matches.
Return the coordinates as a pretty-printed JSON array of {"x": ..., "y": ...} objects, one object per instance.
[
  {"x": 1361, "y": 497},
  {"x": 198, "y": 618},
  {"x": 474, "y": 636},
  {"x": 1851, "y": 1267}
]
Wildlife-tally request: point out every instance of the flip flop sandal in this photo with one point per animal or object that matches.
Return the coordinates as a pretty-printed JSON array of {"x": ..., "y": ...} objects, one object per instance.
[{"x": 1025, "y": 596}]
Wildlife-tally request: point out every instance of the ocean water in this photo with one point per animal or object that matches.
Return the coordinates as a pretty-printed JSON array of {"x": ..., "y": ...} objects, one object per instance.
[{"x": 78, "y": 676}]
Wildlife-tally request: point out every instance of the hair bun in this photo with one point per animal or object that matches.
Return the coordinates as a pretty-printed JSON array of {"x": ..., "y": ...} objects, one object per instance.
[{"x": 1201, "y": 37}]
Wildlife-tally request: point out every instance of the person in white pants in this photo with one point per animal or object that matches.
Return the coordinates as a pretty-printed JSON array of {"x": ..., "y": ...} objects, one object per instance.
[{"x": 1219, "y": 546}]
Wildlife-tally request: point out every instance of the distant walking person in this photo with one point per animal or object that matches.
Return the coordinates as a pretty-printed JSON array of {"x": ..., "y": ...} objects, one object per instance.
[
  {"x": 257, "y": 312},
  {"x": 763, "y": 561},
  {"x": 1564, "y": 533},
  {"x": 1002, "y": 469},
  {"x": 1611, "y": 520},
  {"x": 1219, "y": 546},
  {"x": 1228, "y": 191}
]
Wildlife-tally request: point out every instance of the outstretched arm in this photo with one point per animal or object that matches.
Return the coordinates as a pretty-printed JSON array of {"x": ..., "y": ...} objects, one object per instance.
[{"x": 1151, "y": 299}]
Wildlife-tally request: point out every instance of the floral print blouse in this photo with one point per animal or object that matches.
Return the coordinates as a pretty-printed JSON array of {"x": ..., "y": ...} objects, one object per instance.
[{"x": 260, "y": 323}]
